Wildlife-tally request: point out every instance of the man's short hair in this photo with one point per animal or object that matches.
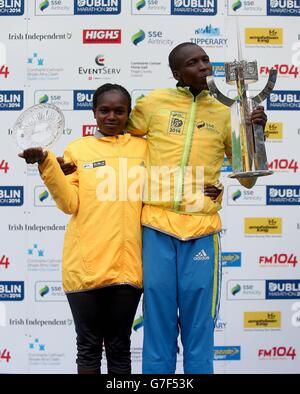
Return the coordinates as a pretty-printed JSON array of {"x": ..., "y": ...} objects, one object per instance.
[{"x": 174, "y": 54}]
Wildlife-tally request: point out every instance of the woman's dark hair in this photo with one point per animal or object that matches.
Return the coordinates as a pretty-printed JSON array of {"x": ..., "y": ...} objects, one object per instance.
[{"x": 107, "y": 87}]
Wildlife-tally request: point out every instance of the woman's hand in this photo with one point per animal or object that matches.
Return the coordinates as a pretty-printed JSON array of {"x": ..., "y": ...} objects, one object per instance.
[{"x": 34, "y": 155}]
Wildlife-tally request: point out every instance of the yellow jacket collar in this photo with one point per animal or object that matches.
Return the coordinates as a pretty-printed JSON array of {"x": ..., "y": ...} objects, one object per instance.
[
  {"x": 186, "y": 90},
  {"x": 122, "y": 138}
]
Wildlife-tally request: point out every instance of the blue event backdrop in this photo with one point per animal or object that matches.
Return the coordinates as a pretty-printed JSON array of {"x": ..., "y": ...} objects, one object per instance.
[{"x": 59, "y": 51}]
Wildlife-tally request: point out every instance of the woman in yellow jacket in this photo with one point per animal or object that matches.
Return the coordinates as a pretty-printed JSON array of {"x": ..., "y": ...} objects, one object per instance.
[{"x": 101, "y": 267}]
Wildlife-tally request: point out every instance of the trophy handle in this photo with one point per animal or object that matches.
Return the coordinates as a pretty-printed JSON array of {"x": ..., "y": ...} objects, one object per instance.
[
  {"x": 216, "y": 93},
  {"x": 267, "y": 89}
]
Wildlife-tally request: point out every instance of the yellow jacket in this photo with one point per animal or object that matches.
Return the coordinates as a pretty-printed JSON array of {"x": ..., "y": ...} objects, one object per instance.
[
  {"x": 183, "y": 132},
  {"x": 102, "y": 244}
]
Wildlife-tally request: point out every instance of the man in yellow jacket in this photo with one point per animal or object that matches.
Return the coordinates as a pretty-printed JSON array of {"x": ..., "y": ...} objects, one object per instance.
[{"x": 188, "y": 132}]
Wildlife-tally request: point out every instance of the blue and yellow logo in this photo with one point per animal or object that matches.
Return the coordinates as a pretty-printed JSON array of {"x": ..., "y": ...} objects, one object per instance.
[
  {"x": 138, "y": 323},
  {"x": 44, "y": 99},
  {"x": 236, "y": 289},
  {"x": 43, "y": 196},
  {"x": 231, "y": 259},
  {"x": 44, "y": 290},
  {"x": 236, "y": 5},
  {"x": 236, "y": 195},
  {"x": 140, "y": 4},
  {"x": 138, "y": 37},
  {"x": 227, "y": 353},
  {"x": 44, "y": 5}
]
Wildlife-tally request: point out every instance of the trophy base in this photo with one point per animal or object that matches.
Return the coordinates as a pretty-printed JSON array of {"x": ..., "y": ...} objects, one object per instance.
[{"x": 250, "y": 174}]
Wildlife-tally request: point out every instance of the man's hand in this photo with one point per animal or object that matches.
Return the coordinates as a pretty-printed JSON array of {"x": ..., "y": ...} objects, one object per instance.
[
  {"x": 258, "y": 116},
  {"x": 67, "y": 168},
  {"x": 212, "y": 191},
  {"x": 33, "y": 155}
]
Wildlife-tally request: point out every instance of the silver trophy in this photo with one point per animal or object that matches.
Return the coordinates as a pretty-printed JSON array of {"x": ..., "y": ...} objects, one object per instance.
[
  {"x": 249, "y": 157},
  {"x": 40, "y": 125}
]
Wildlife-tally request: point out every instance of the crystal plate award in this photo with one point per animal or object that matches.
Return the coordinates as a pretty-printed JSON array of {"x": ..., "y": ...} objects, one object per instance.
[{"x": 40, "y": 125}]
